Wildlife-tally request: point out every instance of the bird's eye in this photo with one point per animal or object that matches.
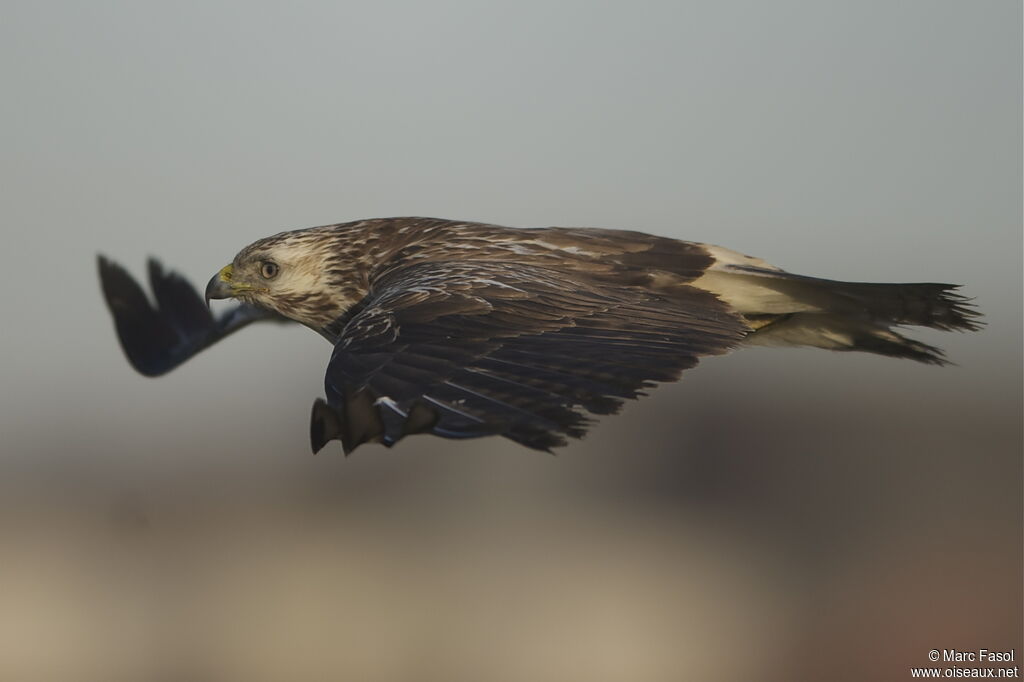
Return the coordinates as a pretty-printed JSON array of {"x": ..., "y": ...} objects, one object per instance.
[{"x": 269, "y": 269}]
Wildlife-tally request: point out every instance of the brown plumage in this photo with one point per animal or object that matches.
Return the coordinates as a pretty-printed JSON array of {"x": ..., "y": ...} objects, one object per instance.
[{"x": 466, "y": 329}]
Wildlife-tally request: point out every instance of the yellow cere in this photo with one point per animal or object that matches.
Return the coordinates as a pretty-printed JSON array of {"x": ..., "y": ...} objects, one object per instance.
[{"x": 225, "y": 273}]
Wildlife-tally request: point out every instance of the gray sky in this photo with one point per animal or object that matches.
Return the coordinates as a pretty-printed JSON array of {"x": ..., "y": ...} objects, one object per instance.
[{"x": 859, "y": 140}]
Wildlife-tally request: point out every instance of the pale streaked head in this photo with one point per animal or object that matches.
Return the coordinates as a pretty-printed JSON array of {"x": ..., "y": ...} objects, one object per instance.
[{"x": 288, "y": 273}]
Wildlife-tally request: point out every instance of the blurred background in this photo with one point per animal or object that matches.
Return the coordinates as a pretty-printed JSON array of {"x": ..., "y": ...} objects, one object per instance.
[{"x": 776, "y": 515}]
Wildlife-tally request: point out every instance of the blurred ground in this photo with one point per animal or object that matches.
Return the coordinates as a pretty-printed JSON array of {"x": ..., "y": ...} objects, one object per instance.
[
  {"x": 718, "y": 531},
  {"x": 777, "y": 515}
]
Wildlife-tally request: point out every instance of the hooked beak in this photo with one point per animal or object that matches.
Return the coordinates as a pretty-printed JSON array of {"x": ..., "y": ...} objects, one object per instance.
[{"x": 220, "y": 285}]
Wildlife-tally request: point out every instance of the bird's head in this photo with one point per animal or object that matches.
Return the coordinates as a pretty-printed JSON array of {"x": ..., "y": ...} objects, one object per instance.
[{"x": 292, "y": 273}]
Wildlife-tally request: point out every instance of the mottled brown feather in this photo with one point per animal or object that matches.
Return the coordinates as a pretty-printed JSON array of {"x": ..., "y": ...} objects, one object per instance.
[{"x": 523, "y": 351}]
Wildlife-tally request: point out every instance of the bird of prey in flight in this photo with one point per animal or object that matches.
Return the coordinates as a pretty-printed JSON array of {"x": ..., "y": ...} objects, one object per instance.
[{"x": 465, "y": 329}]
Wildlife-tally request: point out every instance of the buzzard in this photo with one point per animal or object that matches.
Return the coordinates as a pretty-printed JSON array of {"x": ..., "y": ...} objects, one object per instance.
[{"x": 464, "y": 329}]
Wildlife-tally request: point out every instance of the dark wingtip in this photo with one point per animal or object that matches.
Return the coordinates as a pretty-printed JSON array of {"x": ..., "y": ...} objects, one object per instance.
[
  {"x": 103, "y": 267},
  {"x": 323, "y": 426},
  {"x": 155, "y": 271},
  {"x": 119, "y": 288},
  {"x": 109, "y": 271}
]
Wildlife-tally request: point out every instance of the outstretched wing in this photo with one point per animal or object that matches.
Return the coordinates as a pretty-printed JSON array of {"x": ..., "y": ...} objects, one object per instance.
[
  {"x": 472, "y": 349},
  {"x": 156, "y": 339}
]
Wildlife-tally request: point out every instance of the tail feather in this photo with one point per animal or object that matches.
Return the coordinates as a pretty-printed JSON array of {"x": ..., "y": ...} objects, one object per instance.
[
  {"x": 794, "y": 310},
  {"x": 836, "y": 332},
  {"x": 925, "y": 304},
  {"x": 887, "y": 342}
]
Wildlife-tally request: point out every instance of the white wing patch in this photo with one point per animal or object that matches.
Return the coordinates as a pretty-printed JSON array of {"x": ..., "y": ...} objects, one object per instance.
[
  {"x": 744, "y": 291},
  {"x": 727, "y": 257}
]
